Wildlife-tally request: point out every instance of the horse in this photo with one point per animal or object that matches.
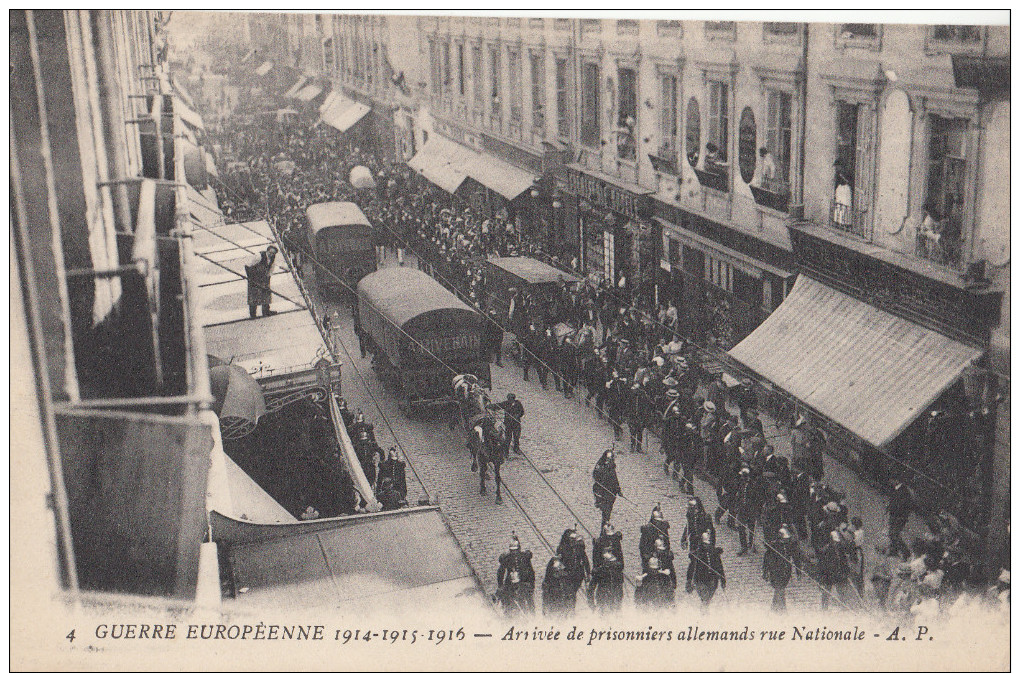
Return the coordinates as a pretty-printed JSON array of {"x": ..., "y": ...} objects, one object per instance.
[{"x": 486, "y": 433}]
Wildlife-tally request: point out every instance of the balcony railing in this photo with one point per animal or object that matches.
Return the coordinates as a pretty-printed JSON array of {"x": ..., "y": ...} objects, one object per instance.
[
  {"x": 938, "y": 248},
  {"x": 772, "y": 193},
  {"x": 717, "y": 179},
  {"x": 850, "y": 221}
]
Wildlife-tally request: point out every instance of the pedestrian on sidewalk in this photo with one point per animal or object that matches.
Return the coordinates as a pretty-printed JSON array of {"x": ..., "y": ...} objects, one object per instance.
[
  {"x": 606, "y": 486},
  {"x": 513, "y": 412}
]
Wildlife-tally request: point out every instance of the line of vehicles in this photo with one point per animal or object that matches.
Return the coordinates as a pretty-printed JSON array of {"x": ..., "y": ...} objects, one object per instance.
[{"x": 417, "y": 330}]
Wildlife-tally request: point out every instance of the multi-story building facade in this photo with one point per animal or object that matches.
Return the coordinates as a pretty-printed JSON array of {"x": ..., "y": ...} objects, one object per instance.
[
  {"x": 714, "y": 163},
  {"x": 104, "y": 173},
  {"x": 711, "y": 163}
]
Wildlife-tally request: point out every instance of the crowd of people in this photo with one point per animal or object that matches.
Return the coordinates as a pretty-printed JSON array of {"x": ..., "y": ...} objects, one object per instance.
[{"x": 640, "y": 375}]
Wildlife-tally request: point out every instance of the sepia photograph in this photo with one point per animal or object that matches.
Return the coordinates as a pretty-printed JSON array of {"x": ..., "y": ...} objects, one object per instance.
[{"x": 535, "y": 339}]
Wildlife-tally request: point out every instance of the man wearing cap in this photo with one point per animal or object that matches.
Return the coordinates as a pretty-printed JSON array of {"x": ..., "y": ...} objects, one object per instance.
[
  {"x": 259, "y": 271},
  {"x": 513, "y": 412},
  {"x": 705, "y": 571},
  {"x": 672, "y": 431}
]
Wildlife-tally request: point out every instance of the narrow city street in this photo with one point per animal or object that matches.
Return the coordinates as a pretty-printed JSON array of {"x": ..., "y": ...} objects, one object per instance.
[{"x": 549, "y": 488}]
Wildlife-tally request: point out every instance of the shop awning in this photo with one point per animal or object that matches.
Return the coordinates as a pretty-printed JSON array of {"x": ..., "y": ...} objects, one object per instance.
[
  {"x": 869, "y": 371},
  {"x": 308, "y": 93},
  {"x": 500, "y": 176},
  {"x": 201, "y": 210},
  {"x": 341, "y": 112},
  {"x": 442, "y": 162},
  {"x": 295, "y": 87}
]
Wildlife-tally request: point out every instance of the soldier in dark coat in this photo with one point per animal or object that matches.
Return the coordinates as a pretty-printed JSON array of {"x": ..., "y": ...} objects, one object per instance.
[
  {"x": 637, "y": 412},
  {"x": 606, "y": 485},
  {"x": 672, "y": 431},
  {"x": 259, "y": 271},
  {"x": 834, "y": 570},
  {"x": 778, "y": 513},
  {"x": 513, "y": 413},
  {"x": 655, "y": 587},
  {"x": 493, "y": 336},
  {"x": 749, "y": 499},
  {"x": 575, "y": 560},
  {"x": 608, "y": 540},
  {"x": 616, "y": 398},
  {"x": 656, "y": 527},
  {"x": 698, "y": 523},
  {"x": 605, "y": 591},
  {"x": 705, "y": 572},
  {"x": 569, "y": 366},
  {"x": 388, "y": 496},
  {"x": 556, "y": 589},
  {"x": 782, "y": 557},
  {"x": 515, "y": 580},
  {"x": 690, "y": 455},
  {"x": 394, "y": 469}
]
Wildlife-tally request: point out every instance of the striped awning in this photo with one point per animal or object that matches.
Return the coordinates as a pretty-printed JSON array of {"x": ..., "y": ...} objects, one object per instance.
[{"x": 869, "y": 371}]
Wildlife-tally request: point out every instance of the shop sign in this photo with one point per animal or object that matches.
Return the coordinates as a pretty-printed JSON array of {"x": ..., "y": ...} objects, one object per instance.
[{"x": 606, "y": 196}]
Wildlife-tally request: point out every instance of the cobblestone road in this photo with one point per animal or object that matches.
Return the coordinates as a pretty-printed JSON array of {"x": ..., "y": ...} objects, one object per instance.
[{"x": 549, "y": 489}]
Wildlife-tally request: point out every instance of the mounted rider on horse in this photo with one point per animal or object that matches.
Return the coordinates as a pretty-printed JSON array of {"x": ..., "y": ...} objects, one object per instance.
[{"x": 486, "y": 432}]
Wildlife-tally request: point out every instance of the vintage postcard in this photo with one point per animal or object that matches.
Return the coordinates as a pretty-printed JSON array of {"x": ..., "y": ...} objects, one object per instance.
[{"x": 532, "y": 340}]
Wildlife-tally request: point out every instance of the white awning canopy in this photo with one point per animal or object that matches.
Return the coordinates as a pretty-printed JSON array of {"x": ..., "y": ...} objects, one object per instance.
[
  {"x": 500, "y": 176},
  {"x": 308, "y": 93},
  {"x": 442, "y": 162},
  {"x": 870, "y": 371},
  {"x": 341, "y": 112}
]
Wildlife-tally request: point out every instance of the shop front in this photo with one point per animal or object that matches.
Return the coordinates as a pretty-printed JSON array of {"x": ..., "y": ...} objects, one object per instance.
[{"x": 615, "y": 229}]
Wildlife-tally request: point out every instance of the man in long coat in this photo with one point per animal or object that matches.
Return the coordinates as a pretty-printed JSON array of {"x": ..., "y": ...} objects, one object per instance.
[{"x": 259, "y": 271}]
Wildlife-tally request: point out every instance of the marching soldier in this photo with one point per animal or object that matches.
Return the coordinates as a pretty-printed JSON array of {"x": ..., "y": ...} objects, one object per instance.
[
  {"x": 749, "y": 498},
  {"x": 606, "y": 486},
  {"x": 698, "y": 523},
  {"x": 515, "y": 580},
  {"x": 672, "y": 431},
  {"x": 605, "y": 591},
  {"x": 556, "y": 589},
  {"x": 705, "y": 572},
  {"x": 655, "y": 586},
  {"x": 637, "y": 409},
  {"x": 608, "y": 540},
  {"x": 656, "y": 527},
  {"x": 578, "y": 568},
  {"x": 782, "y": 557}
]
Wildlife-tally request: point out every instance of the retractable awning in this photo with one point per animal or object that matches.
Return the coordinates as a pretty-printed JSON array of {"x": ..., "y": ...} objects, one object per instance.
[
  {"x": 501, "y": 177},
  {"x": 295, "y": 87},
  {"x": 442, "y": 162},
  {"x": 341, "y": 112},
  {"x": 308, "y": 93},
  {"x": 869, "y": 371}
]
